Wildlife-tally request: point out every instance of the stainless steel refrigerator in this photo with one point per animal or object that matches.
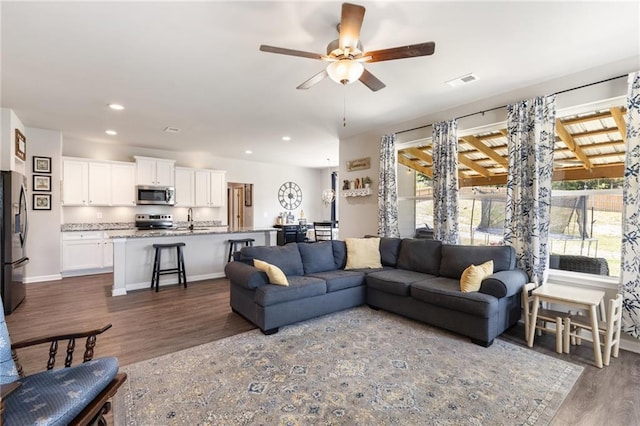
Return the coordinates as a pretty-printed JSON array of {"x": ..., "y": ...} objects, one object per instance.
[{"x": 13, "y": 238}]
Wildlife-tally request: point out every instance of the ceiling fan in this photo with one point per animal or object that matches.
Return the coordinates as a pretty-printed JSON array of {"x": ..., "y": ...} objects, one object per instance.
[{"x": 346, "y": 55}]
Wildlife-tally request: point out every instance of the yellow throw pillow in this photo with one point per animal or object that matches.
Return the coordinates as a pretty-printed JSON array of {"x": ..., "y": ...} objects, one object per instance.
[
  {"x": 472, "y": 276},
  {"x": 363, "y": 253},
  {"x": 275, "y": 274}
]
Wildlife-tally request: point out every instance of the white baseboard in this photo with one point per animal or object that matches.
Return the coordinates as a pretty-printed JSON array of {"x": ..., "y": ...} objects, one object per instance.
[
  {"x": 171, "y": 281},
  {"x": 43, "y": 278},
  {"x": 81, "y": 272}
]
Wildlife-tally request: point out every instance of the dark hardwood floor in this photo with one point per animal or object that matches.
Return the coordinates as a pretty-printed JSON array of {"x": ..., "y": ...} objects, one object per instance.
[{"x": 148, "y": 324}]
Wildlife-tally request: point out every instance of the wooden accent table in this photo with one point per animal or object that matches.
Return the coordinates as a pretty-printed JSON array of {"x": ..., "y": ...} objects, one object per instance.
[{"x": 569, "y": 296}]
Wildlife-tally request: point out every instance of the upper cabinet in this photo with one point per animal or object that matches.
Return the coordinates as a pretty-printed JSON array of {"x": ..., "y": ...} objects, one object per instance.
[
  {"x": 97, "y": 183},
  {"x": 123, "y": 184},
  {"x": 75, "y": 182},
  {"x": 185, "y": 187},
  {"x": 154, "y": 171},
  {"x": 210, "y": 188}
]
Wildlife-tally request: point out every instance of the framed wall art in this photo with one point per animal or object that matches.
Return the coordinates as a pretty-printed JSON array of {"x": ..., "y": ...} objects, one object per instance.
[
  {"x": 41, "y": 183},
  {"x": 21, "y": 145},
  {"x": 248, "y": 194},
  {"x": 41, "y": 202},
  {"x": 41, "y": 164}
]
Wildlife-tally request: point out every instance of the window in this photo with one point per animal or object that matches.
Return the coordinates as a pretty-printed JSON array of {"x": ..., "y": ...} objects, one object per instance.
[{"x": 586, "y": 205}]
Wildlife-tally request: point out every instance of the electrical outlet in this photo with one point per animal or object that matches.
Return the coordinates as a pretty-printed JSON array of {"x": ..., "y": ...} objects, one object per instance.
[{"x": 99, "y": 215}]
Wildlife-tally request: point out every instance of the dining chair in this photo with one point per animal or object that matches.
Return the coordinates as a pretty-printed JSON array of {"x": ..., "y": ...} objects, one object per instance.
[
  {"x": 609, "y": 329},
  {"x": 560, "y": 319},
  {"x": 323, "y": 231}
]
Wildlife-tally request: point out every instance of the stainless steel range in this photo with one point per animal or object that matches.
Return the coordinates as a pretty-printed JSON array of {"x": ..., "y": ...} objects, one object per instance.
[{"x": 154, "y": 221}]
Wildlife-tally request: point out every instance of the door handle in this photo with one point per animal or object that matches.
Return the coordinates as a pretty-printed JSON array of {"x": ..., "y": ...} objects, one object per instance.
[{"x": 20, "y": 263}]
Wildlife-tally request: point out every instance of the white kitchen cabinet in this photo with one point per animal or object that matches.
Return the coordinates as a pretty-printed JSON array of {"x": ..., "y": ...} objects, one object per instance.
[
  {"x": 210, "y": 188},
  {"x": 123, "y": 184},
  {"x": 99, "y": 184},
  {"x": 154, "y": 171},
  {"x": 90, "y": 250},
  {"x": 75, "y": 182},
  {"x": 184, "y": 184},
  {"x": 81, "y": 250}
]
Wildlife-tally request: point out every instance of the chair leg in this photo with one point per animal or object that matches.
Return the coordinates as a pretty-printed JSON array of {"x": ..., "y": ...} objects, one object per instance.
[
  {"x": 559, "y": 332},
  {"x": 156, "y": 266},
  {"x": 566, "y": 335},
  {"x": 182, "y": 270},
  {"x": 157, "y": 271}
]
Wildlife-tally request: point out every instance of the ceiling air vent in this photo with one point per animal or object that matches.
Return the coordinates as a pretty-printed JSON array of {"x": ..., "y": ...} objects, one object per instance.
[
  {"x": 459, "y": 81},
  {"x": 171, "y": 129}
]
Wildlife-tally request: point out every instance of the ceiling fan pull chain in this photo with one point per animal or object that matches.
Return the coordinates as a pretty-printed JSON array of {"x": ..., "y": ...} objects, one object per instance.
[{"x": 344, "y": 107}]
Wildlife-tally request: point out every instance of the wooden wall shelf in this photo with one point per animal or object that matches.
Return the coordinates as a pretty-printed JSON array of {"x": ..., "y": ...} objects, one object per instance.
[{"x": 362, "y": 192}]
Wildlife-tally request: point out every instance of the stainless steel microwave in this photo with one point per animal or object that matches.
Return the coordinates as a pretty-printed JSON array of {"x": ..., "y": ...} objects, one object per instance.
[{"x": 155, "y": 195}]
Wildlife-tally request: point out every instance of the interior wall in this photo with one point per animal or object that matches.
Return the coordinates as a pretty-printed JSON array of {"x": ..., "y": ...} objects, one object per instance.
[
  {"x": 43, "y": 240},
  {"x": 266, "y": 178}
]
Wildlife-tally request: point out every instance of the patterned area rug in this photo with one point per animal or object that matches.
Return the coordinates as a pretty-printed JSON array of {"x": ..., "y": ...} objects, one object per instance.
[{"x": 358, "y": 367}]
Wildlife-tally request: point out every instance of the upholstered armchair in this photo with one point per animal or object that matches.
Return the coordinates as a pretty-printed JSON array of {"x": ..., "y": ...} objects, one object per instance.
[{"x": 75, "y": 395}]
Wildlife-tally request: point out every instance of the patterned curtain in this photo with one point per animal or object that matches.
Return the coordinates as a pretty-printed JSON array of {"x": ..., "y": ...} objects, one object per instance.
[
  {"x": 630, "y": 262},
  {"x": 531, "y": 137},
  {"x": 445, "y": 181},
  {"x": 388, "y": 189}
]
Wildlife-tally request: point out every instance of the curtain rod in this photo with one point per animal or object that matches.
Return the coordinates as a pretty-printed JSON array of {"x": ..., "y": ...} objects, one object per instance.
[{"x": 504, "y": 106}]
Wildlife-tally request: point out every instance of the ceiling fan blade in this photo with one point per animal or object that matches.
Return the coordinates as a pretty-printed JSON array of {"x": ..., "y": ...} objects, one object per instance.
[
  {"x": 290, "y": 52},
  {"x": 314, "y": 80},
  {"x": 411, "y": 51},
  {"x": 371, "y": 81},
  {"x": 350, "y": 24}
]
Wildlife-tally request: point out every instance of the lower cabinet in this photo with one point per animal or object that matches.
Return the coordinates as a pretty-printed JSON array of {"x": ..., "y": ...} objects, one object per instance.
[{"x": 86, "y": 251}]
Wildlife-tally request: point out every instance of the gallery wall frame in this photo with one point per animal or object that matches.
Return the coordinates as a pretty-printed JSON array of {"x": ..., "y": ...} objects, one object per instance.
[
  {"x": 21, "y": 145},
  {"x": 41, "y": 202},
  {"x": 42, "y": 183},
  {"x": 41, "y": 164}
]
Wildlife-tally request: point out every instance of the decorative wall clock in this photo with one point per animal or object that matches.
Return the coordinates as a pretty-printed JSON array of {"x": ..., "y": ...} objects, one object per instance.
[{"x": 290, "y": 195}]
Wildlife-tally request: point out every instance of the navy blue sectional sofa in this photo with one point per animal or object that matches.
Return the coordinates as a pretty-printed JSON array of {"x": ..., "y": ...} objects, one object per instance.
[{"x": 419, "y": 279}]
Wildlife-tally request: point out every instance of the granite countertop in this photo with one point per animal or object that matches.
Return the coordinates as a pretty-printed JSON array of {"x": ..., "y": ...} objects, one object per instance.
[
  {"x": 134, "y": 233},
  {"x": 113, "y": 226}
]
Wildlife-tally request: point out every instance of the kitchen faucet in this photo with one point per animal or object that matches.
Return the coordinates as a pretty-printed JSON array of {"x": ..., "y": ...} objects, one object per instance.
[{"x": 190, "y": 218}]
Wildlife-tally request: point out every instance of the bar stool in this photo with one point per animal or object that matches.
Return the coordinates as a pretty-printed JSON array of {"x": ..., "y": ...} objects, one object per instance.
[
  {"x": 233, "y": 246},
  {"x": 179, "y": 269}
]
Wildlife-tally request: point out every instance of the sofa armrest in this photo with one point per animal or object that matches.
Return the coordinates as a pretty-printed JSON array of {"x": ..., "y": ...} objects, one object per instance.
[
  {"x": 247, "y": 276},
  {"x": 504, "y": 283}
]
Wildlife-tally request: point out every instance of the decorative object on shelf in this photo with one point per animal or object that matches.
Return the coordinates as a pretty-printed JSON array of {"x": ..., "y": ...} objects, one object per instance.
[
  {"x": 41, "y": 202},
  {"x": 362, "y": 192},
  {"x": 41, "y": 183},
  {"x": 41, "y": 164},
  {"x": 21, "y": 145},
  {"x": 345, "y": 184},
  {"x": 366, "y": 181},
  {"x": 248, "y": 194},
  {"x": 359, "y": 164},
  {"x": 290, "y": 195}
]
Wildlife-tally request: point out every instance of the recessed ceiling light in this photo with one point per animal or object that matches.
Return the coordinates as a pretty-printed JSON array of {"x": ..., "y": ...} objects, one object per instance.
[
  {"x": 111, "y": 132},
  {"x": 171, "y": 129},
  {"x": 117, "y": 107},
  {"x": 464, "y": 79},
  {"x": 286, "y": 138},
  {"x": 248, "y": 151}
]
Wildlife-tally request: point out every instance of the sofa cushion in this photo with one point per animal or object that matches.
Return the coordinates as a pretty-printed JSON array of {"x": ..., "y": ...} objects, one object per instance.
[
  {"x": 472, "y": 276},
  {"x": 286, "y": 257},
  {"x": 394, "y": 281},
  {"x": 389, "y": 249},
  {"x": 56, "y": 397},
  {"x": 339, "y": 279},
  {"x": 275, "y": 274},
  {"x": 420, "y": 255},
  {"x": 299, "y": 288},
  {"x": 339, "y": 253},
  {"x": 456, "y": 258},
  {"x": 363, "y": 253},
  {"x": 445, "y": 292},
  {"x": 317, "y": 257}
]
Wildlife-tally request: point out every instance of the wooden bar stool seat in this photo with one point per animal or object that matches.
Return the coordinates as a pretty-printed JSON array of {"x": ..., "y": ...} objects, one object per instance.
[
  {"x": 179, "y": 269},
  {"x": 233, "y": 246}
]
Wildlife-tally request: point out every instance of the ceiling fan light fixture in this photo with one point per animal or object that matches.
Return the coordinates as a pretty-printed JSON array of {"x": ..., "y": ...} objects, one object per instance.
[{"x": 345, "y": 71}]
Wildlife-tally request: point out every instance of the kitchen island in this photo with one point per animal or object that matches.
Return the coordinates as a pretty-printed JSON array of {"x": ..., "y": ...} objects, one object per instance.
[{"x": 205, "y": 253}]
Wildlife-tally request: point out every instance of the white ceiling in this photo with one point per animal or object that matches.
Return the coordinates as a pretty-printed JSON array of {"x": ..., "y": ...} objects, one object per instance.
[{"x": 196, "y": 66}]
